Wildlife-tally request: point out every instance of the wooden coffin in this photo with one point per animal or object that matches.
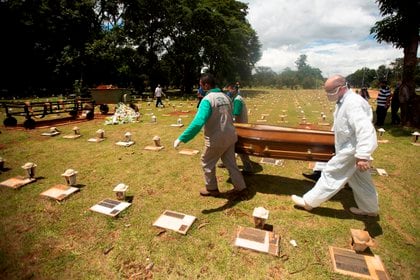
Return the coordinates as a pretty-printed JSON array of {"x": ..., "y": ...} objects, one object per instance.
[{"x": 285, "y": 143}]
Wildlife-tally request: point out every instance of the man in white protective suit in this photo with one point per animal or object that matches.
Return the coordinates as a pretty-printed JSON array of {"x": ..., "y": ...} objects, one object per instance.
[{"x": 355, "y": 141}]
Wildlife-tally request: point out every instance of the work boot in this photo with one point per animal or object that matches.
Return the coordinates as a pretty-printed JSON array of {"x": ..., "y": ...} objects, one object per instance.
[
  {"x": 300, "y": 202},
  {"x": 314, "y": 176},
  {"x": 360, "y": 212},
  {"x": 205, "y": 192}
]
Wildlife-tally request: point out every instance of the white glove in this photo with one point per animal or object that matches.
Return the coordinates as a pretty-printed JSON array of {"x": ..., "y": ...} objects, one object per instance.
[{"x": 176, "y": 143}]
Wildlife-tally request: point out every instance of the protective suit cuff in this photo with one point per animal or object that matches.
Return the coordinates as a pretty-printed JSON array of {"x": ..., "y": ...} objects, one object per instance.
[{"x": 363, "y": 156}]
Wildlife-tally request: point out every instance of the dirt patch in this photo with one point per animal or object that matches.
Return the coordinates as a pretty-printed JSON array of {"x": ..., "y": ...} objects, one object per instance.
[
  {"x": 134, "y": 270},
  {"x": 373, "y": 94},
  {"x": 42, "y": 124}
]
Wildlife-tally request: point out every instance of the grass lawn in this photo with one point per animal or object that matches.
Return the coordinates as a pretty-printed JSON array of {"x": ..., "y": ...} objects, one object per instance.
[{"x": 45, "y": 239}]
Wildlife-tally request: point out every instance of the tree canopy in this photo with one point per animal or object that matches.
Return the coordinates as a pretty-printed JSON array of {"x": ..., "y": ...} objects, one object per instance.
[
  {"x": 306, "y": 77},
  {"x": 400, "y": 26},
  {"x": 136, "y": 43}
]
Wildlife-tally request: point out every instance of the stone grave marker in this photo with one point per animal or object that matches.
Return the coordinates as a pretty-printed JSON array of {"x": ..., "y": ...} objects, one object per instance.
[
  {"x": 361, "y": 240},
  {"x": 157, "y": 146},
  {"x": 20, "y": 181},
  {"x": 272, "y": 161},
  {"x": 188, "y": 152},
  {"x": 260, "y": 215},
  {"x": 75, "y": 135},
  {"x": 381, "y": 172},
  {"x": 178, "y": 123},
  {"x": 120, "y": 191},
  {"x": 127, "y": 142},
  {"x": 17, "y": 182},
  {"x": 416, "y": 135},
  {"x": 283, "y": 119},
  {"x": 100, "y": 136},
  {"x": 110, "y": 207},
  {"x": 257, "y": 240},
  {"x": 175, "y": 221},
  {"x": 53, "y": 132},
  {"x": 349, "y": 262},
  {"x": 381, "y": 136},
  {"x": 59, "y": 192}
]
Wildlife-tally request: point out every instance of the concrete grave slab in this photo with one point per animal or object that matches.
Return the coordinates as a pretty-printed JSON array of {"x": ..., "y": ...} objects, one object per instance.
[
  {"x": 110, "y": 207},
  {"x": 154, "y": 148},
  {"x": 17, "y": 182},
  {"x": 96, "y": 140},
  {"x": 72, "y": 136},
  {"x": 348, "y": 262},
  {"x": 51, "y": 133},
  {"x": 257, "y": 240},
  {"x": 125, "y": 143},
  {"x": 175, "y": 221},
  {"x": 381, "y": 172},
  {"x": 272, "y": 161},
  {"x": 188, "y": 152},
  {"x": 59, "y": 192}
]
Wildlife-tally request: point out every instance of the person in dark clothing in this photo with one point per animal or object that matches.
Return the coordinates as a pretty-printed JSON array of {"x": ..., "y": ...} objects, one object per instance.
[
  {"x": 382, "y": 103},
  {"x": 395, "y": 105}
]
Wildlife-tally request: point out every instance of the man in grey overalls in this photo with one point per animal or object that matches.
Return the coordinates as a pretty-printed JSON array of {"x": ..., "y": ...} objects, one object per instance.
[{"x": 215, "y": 114}]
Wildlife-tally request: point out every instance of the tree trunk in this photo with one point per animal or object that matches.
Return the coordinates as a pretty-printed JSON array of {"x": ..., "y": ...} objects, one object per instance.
[{"x": 410, "y": 63}]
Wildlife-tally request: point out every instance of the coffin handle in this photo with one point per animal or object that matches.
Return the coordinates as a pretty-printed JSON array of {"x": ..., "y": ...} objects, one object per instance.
[{"x": 250, "y": 147}]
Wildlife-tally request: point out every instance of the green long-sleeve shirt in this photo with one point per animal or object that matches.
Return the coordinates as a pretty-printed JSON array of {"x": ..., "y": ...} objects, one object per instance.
[
  {"x": 200, "y": 119},
  {"x": 237, "y": 107}
]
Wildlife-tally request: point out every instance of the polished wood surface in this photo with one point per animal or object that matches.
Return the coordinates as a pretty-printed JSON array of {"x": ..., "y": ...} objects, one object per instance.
[{"x": 283, "y": 142}]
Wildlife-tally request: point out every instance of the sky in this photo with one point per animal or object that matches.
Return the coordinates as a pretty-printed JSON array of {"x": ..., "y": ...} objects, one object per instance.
[{"x": 333, "y": 34}]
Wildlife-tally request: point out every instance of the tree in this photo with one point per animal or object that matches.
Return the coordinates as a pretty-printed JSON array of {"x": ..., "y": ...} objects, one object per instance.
[
  {"x": 44, "y": 43},
  {"x": 362, "y": 77},
  {"x": 264, "y": 76},
  {"x": 309, "y": 77},
  {"x": 401, "y": 28}
]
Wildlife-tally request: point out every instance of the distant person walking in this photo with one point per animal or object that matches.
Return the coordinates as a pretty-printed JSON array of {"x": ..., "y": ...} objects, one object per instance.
[
  {"x": 382, "y": 103},
  {"x": 158, "y": 95}
]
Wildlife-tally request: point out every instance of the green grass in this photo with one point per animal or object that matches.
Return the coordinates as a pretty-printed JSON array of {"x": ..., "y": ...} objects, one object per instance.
[{"x": 43, "y": 239}]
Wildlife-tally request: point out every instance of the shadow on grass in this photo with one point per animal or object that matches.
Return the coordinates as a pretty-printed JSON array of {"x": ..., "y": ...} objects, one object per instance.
[
  {"x": 398, "y": 130},
  {"x": 371, "y": 223},
  {"x": 287, "y": 186},
  {"x": 5, "y": 169}
]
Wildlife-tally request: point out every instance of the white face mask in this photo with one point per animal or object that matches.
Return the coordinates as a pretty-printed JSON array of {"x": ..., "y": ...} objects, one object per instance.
[{"x": 334, "y": 95}]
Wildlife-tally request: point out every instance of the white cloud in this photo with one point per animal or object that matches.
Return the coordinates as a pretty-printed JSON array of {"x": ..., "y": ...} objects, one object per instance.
[{"x": 334, "y": 34}]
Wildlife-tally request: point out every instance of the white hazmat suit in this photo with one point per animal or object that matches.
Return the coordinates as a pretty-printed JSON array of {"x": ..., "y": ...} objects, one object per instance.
[{"x": 355, "y": 138}]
